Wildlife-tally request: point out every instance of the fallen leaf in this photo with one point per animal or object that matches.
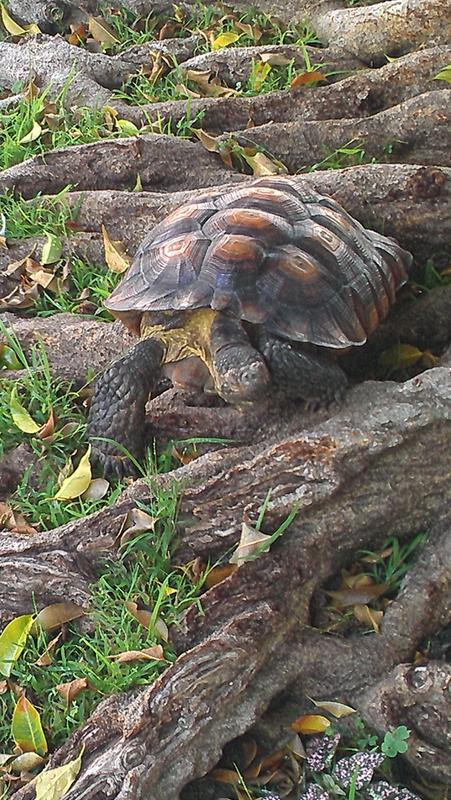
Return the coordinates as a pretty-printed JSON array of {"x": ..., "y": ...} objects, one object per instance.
[
  {"x": 154, "y": 653},
  {"x": 399, "y": 356},
  {"x": 115, "y": 258},
  {"x": 26, "y": 728},
  {"x": 8, "y": 358},
  {"x": 78, "y": 482},
  {"x": 350, "y": 597},
  {"x": 310, "y": 723},
  {"x": 225, "y": 775},
  {"x": 144, "y": 617},
  {"x": 48, "y": 428},
  {"x": 20, "y": 415},
  {"x": 69, "y": 690},
  {"x": 51, "y": 250},
  {"x": 45, "y": 659},
  {"x": 96, "y": 489},
  {"x": 136, "y": 521},
  {"x": 260, "y": 73},
  {"x": 307, "y": 78},
  {"x": 250, "y": 30},
  {"x": 26, "y": 762},
  {"x": 337, "y": 710},
  {"x": 127, "y": 128},
  {"x": 444, "y": 74},
  {"x": 275, "y": 59},
  {"x": 368, "y": 616},
  {"x": 14, "y": 520},
  {"x": 206, "y": 139},
  {"x": 251, "y": 544},
  {"x": 224, "y": 40},
  {"x": 101, "y": 32},
  {"x": 3, "y": 687},
  {"x": 57, "y": 614},
  {"x": 12, "y": 642},
  {"x": 11, "y": 25},
  {"x": 32, "y": 135},
  {"x": 261, "y": 165},
  {"x": 52, "y": 784},
  {"x": 219, "y": 574}
]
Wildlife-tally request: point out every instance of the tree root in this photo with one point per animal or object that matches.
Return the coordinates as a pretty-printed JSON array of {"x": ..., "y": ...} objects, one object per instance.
[
  {"x": 338, "y": 472},
  {"x": 86, "y": 78},
  {"x": 361, "y": 94},
  {"x": 402, "y": 133}
]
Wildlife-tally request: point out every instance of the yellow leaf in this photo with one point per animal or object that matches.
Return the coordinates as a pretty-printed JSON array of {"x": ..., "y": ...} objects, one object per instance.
[
  {"x": 310, "y": 723},
  {"x": 12, "y": 642},
  {"x": 20, "y": 415},
  {"x": 126, "y": 127},
  {"x": 11, "y": 26},
  {"x": 32, "y": 135},
  {"x": 32, "y": 28},
  {"x": 101, "y": 31},
  {"x": 261, "y": 165},
  {"x": 116, "y": 261},
  {"x": 224, "y": 40},
  {"x": 260, "y": 73},
  {"x": 51, "y": 250},
  {"x": 399, "y": 356},
  {"x": 26, "y": 728},
  {"x": 78, "y": 482},
  {"x": 52, "y": 784},
  {"x": 444, "y": 74}
]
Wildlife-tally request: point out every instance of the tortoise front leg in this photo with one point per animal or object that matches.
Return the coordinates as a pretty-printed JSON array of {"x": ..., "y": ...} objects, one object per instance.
[
  {"x": 117, "y": 409},
  {"x": 239, "y": 371},
  {"x": 300, "y": 373}
]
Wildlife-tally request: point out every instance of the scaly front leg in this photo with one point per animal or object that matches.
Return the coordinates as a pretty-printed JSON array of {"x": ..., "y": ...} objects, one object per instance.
[{"x": 117, "y": 409}]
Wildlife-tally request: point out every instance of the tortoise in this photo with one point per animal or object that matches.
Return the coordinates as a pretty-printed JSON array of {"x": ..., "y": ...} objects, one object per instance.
[{"x": 239, "y": 290}]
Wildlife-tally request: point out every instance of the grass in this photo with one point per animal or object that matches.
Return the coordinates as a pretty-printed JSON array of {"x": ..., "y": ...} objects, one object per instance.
[
  {"x": 40, "y": 395},
  {"x": 24, "y": 218},
  {"x": 87, "y": 288},
  {"x": 143, "y": 574},
  {"x": 351, "y": 154}
]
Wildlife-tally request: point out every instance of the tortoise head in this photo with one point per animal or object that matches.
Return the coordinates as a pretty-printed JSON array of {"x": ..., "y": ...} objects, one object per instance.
[{"x": 240, "y": 375}]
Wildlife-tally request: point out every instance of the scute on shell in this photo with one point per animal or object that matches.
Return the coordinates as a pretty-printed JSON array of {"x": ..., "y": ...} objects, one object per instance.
[{"x": 273, "y": 252}]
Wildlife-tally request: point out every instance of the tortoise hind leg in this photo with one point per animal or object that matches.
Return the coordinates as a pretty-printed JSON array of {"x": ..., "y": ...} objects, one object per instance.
[
  {"x": 117, "y": 409},
  {"x": 302, "y": 374}
]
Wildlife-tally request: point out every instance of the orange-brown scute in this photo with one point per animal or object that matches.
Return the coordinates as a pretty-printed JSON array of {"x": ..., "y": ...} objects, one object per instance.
[{"x": 273, "y": 252}]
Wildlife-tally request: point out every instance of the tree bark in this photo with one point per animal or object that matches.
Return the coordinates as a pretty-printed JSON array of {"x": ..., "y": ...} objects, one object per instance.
[{"x": 349, "y": 476}]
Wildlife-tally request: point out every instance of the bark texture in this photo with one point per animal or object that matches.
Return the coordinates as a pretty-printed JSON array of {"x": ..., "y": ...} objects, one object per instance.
[{"x": 224, "y": 677}]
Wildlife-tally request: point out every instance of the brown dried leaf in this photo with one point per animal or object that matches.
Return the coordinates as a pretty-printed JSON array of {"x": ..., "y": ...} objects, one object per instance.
[
  {"x": 275, "y": 59},
  {"x": 154, "y": 653},
  {"x": 115, "y": 256},
  {"x": 136, "y": 521},
  {"x": 337, "y": 710},
  {"x": 14, "y": 521},
  {"x": 206, "y": 139},
  {"x": 262, "y": 165},
  {"x": 251, "y": 544},
  {"x": 56, "y": 614},
  {"x": 46, "y": 659},
  {"x": 48, "y": 427},
  {"x": 69, "y": 690},
  {"x": 368, "y": 616},
  {"x": 307, "y": 78},
  {"x": 96, "y": 489},
  {"x": 360, "y": 596},
  {"x": 101, "y": 32},
  {"x": 219, "y": 574}
]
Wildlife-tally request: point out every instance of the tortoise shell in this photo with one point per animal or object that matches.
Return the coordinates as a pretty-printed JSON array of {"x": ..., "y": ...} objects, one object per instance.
[{"x": 274, "y": 252}]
